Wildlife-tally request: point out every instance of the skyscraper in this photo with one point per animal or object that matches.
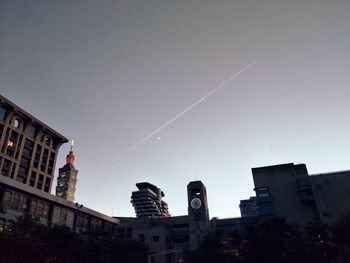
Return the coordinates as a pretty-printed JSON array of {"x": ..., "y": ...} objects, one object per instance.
[
  {"x": 67, "y": 178},
  {"x": 147, "y": 201}
]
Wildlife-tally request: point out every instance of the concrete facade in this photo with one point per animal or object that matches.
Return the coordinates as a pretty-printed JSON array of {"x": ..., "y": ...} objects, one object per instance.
[
  {"x": 28, "y": 152},
  {"x": 28, "y": 147},
  {"x": 17, "y": 199},
  {"x": 288, "y": 191}
]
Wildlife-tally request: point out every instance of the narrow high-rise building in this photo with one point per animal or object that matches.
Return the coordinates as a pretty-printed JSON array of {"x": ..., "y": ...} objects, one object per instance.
[
  {"x": 67, "y": 178},
  {"x": 198, "y": 213},
  {"x": 147, "y": 201}
]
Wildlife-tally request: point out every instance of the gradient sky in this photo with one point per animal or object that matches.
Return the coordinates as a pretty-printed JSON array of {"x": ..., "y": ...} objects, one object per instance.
[{"x": 108, "y": 73}]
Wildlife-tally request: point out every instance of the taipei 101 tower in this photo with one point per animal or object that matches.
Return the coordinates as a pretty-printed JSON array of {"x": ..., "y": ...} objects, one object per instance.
[{"x": 67, "y": 178}]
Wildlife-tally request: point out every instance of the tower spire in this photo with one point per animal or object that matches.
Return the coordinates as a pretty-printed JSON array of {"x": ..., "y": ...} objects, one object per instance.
[{"x": 70, "y": 157}]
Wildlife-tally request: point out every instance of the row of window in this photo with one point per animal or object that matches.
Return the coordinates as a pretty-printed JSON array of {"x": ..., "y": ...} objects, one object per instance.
[
  {"x": 19, "y": 202},
  {"x": 38, "y": 181},
  {"x": 31, "y": 131},
  {"x": 86, "y": 223}
]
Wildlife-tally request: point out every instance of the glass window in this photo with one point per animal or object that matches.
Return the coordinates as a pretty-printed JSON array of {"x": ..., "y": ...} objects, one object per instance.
[
  {"x": 34, "y": 206},
  {"x": 16, "y": 123},
  {"x": 15, "y": 202},
  {"x": 2, "y": 113},
  {"x": 31, "y": 131},
  {"x": 7, "y": 198}
]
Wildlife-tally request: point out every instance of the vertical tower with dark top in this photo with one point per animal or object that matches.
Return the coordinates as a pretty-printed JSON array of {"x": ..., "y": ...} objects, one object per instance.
[
  {"x": 198, "y": 213},
  {"x": 67, "y": 178}
]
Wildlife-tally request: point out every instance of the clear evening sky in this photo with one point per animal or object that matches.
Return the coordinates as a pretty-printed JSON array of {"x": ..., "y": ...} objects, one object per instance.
[{"x": 109, "y": 73}]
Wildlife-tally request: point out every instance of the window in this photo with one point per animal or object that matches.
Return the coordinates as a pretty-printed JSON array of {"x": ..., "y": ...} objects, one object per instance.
[
  {"x": 40, "y": 182},
  {"x": 34, "y": 205},
  {"x": 32, "y": 179},
  {"x": 31, "y": 131},
  {"x": 40, "y": 209},
  {"x": 7, "y": 198},
  {"x": 63, "y": 216},
  {"x": 15, "y": 202},
  {"x": 2, "y": 113},
  {"x": 155, "y": 238},
  {"x": 47, "y": 140},
  {"x": 195, "y": 191},
  {"x": 10, "y": 143},
  {"x": 16, "y": 123},
  {"x": 47, "y": 184}
]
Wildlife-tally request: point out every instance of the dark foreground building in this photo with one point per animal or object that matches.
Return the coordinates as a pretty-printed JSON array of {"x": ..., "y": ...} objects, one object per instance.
[
  {"x": 28, "y": 156},
  {"x": 170, "y": 237},
  {"x": 287, "y": 190}
]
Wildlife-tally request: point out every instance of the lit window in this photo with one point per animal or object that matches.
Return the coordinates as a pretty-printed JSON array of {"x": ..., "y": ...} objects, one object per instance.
[{"x": 10, "y": 143}]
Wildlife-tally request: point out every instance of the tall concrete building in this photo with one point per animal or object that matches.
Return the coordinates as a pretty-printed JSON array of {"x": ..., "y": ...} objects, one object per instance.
[
  {"x": 67, "y": 178},
  {"x": 28, "y": 147},
  {"x": 287, "y": 190},
  {"x": 147, "y": 201}
]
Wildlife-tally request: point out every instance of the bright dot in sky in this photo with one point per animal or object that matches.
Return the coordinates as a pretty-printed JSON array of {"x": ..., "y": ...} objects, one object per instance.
[{"x": 159, "y": 138}]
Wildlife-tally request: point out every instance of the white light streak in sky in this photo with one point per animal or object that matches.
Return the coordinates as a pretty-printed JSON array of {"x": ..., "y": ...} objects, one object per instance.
[{"x": 223, "y": 84}]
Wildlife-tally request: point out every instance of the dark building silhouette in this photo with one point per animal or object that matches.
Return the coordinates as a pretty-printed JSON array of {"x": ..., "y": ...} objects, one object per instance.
[
  {"x": 198, "y": 212},
  {"x": 248, "y": 207},
  {"x": 28, "y": 147},
  {"x": 147, "y": 201},
  {"x": 67, "y": 178},
  {"x": 287, "y": 190}
]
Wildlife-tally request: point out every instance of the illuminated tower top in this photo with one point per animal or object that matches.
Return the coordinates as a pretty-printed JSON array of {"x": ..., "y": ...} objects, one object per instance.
[
  {"x": 70, "y": 157},
  {"x": 67, "y": 178}
]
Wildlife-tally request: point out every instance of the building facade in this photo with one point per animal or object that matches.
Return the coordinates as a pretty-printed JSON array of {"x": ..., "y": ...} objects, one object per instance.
[
  {"x": 28, "y": 147},
  {"x": 287, "y": 190},
  {"x": 170, "y": 237},
  {"x": 248, "y": 207},
  {"x": 147, "y": 201},
  {"x": 20, "y": 200}
]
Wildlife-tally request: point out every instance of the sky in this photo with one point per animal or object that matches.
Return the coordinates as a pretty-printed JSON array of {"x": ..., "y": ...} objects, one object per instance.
[{"x": 109, "y": 73}]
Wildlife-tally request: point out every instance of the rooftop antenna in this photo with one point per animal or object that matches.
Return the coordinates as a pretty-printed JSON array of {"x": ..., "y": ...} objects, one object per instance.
[{"x": 71, "y": 145}]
